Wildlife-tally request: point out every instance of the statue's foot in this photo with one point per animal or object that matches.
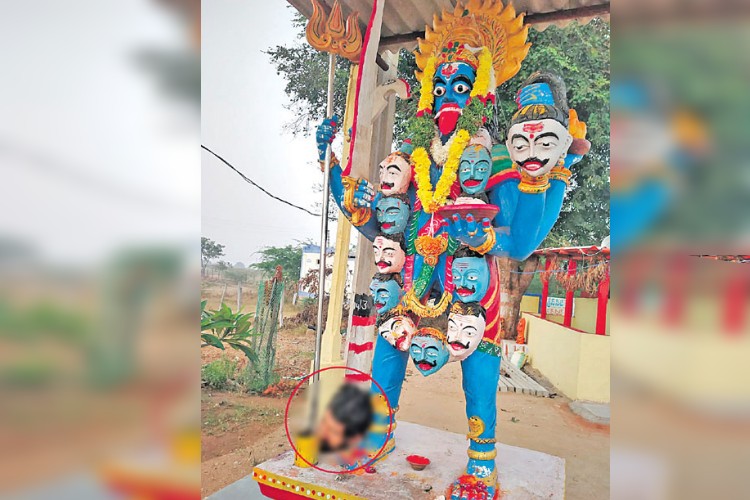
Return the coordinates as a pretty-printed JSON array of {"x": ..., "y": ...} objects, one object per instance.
[{"x": 468, "y": 487}]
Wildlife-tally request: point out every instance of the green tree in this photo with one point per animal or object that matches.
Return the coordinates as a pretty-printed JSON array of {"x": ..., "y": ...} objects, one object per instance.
[
  {"x": 210, "y": 250},
  {"x": 288, "y": 257}
]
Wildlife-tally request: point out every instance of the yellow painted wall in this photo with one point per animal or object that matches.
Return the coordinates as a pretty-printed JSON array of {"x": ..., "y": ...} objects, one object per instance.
[
  {"x": 530, "y": 304},
  {"x": 576, "y": 363}
]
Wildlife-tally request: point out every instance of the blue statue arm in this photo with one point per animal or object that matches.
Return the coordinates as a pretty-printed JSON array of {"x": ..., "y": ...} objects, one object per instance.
[
  {"x": 517, "y": 241},
  {"x": 552, "y": 206},
  {"x": 364, "y": 194},
  {"x": 363, "y": 197}
]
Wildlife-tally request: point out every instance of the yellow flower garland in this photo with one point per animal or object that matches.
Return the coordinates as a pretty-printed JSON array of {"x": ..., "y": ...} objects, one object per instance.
[
  {"x": 484, "y": 72},
  {"x": 431, "y": 201},
  {"x": 425, "y": 94}
]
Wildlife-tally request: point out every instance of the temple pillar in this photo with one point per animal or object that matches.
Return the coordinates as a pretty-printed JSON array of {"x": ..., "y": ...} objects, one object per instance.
[{"x": 569, "y": 295}]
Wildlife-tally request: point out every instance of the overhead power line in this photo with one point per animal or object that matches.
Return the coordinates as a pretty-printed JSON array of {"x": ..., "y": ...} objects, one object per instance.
[{"x": 250, "y": 181}]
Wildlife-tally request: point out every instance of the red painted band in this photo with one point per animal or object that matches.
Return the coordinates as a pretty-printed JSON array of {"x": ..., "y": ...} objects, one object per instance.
[
  {"x": 360, "y": 348},
  {"x": 363, "y": 320},
  {"x": 354, "y": 377}
]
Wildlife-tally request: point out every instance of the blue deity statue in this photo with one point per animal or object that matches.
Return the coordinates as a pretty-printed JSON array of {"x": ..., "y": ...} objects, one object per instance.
[{"x": 450, "y": 251}]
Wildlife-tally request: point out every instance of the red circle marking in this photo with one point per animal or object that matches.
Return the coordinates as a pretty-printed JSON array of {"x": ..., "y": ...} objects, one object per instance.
[{"x": 294, "y": 393}]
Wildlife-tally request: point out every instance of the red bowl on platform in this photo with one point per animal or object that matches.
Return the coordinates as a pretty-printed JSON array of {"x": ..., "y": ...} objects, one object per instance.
[
  {"x": 418, "y": 462},
  {"x": 478, "y": 210}
]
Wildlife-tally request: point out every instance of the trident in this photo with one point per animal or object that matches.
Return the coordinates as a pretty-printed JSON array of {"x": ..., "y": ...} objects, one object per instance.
[{"x": 329, "y": 33}]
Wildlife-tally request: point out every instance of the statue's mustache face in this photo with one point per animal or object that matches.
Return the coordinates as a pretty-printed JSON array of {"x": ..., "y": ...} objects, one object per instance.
[
  {"x": 537, "y": 145},
  {"x": 428, "y": 354},
  {"x": 534, "y": 163},
  {"x": 471, "y": 276},
  {"x": 389, "y": 256},
  {"x": 395, "y": 174},
  {"x": 456, "y": 344}
]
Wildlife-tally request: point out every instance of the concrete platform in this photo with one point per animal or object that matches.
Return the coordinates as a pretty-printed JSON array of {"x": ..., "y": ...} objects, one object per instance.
[
  {"x": 597, "y": 413},
  {"x": 524, "y": 474}
]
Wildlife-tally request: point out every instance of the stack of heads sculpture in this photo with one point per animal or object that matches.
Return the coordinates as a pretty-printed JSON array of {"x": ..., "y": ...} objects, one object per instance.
[
  {"x": 475, "y": 169},
  {"x": 386, "y": 290},
  {"x": 428, "y": 350},
  {"x": 471, "y": 275},
  {"x": 538, "y": 136},
  {"x": 390, "y": 252},
  {"x": 392, "y": 213},
  {"x": 466, "y": 323},
  {"x": 397, "y": 329}
]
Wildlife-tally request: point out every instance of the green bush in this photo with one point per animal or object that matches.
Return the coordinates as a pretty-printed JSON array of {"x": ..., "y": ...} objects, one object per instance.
[
  {"x": 256, "y": 378},
  {"x": 217, "y": 374}
]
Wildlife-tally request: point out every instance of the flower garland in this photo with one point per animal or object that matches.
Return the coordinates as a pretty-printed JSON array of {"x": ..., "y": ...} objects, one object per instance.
[
  {"x": 425, "y": 95},
  {"x": 485, "y": 72},
  {"x": 432, "y": 200}
]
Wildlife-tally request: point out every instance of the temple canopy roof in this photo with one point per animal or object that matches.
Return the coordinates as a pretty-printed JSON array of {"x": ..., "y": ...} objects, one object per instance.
[{"x": 402, "y": 25}]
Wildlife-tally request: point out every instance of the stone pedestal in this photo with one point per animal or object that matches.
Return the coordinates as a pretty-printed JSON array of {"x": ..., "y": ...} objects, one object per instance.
[{"x": 523, "y": 474}]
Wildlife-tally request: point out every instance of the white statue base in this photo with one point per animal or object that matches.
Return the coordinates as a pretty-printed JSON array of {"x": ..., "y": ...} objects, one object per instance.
[{"x": 523, "y": 474}]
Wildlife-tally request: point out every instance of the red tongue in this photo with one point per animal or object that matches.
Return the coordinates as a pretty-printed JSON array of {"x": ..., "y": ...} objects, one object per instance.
[
  {"x": 425, "y": 366},
  {"x": 472, "y": 182},
  {"x": 447, "y": 121}
]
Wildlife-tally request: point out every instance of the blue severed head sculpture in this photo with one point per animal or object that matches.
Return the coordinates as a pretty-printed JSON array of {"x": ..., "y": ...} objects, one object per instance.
[
  {"x": 471, "y": 275},
  {"x": 475, "y": 169},
  {"x": 386, "y": 291},
  {"x": 428, "y": 350},
  {"x": 392, "y": 213},
  {"x": 451, "y": 89}
]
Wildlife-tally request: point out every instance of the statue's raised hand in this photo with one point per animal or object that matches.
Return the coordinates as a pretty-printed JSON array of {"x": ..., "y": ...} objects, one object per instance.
[
  {"x": 468, "y": 230},
  {"x": 325, "y": 134}
]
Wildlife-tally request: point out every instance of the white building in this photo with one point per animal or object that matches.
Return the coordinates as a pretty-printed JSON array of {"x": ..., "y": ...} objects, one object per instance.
[{"x": 311, "y": 260}]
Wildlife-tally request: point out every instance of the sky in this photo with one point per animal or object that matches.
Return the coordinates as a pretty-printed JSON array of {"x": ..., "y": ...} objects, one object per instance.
[
  {"x": 96, "y": 154},
  {"x": 242, "y": 118}
]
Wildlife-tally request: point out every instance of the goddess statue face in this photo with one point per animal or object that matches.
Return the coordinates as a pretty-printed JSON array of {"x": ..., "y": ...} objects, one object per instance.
[
  {"x": 395, "y": 175},
  {"x": 385, "y": 293},
  {"x": 398, "y": 331},
  {"x": 428, "y": 353},
  {"x": 452, "y": 86},
  {"x": 536, "y": 146},
  {"x": 392, "y": 214},
  {"x": 389, "y": 256},
  {"x": 474, "y": 169},
  {"x": 471, "y": 277},
  {"x": 465, "y": 333}
]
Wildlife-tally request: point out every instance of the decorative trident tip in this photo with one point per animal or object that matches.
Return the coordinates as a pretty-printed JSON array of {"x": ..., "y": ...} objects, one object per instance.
[{"x": 327, "y": 33}]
